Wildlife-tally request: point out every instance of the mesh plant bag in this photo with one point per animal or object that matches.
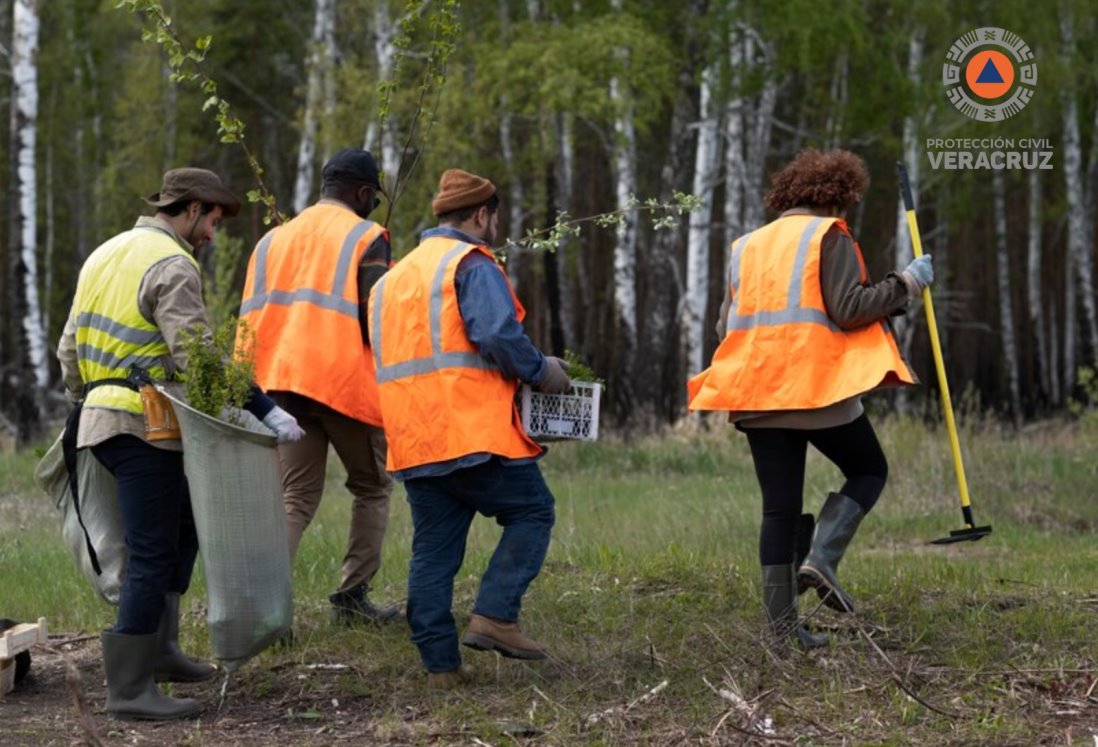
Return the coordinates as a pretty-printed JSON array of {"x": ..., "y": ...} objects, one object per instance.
[
  {"x": 99, "y": 510},
  {"x": 236, "y": 496}
]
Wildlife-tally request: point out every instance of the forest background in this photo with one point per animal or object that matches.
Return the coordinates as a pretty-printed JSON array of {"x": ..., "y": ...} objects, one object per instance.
[{"x": 581, "y": 107}]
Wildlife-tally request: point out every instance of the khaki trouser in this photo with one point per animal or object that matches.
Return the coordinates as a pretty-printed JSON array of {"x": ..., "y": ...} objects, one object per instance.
[{"x": 362, "y": 450}]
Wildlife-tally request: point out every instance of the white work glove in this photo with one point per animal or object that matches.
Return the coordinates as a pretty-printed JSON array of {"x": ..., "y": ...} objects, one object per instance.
[
  {"x": 284, "y": 425},
  {"x": 918, "y": 275},
  {"x": 554, "y": 380}
]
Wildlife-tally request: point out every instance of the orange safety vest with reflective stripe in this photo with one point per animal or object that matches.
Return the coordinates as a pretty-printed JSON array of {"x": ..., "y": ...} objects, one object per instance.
[
  {"x": 782, "y": 351},
  {"x": 440, "y": 398},
  {"x": 301, "y": 300}
]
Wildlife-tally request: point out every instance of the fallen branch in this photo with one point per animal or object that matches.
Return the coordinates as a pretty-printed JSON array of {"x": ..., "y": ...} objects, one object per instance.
[
  {"x": 83, "y": 713},
  {"x": 594, "y": 718}
]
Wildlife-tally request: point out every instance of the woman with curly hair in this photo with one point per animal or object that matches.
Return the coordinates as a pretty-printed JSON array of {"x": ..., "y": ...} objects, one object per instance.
[{"x": 804, "y": 335}]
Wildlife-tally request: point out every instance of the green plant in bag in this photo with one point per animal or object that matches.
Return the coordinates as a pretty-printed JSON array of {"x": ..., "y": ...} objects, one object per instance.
[{"x": 220, "y": 368}]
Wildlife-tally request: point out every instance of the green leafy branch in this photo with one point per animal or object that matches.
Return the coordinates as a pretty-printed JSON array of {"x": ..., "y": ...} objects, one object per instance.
[
  {"x": 220, "y": 368},
  {"x": 445, "y": 29},
  {"x": 663, "y": 214},
  {"x": 187, "y": 65}
]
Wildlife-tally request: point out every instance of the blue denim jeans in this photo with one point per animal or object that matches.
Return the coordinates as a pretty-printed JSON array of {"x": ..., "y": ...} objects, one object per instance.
[
  {"x": 517, "y": 497},
  {"x": 160, "y": 534}
]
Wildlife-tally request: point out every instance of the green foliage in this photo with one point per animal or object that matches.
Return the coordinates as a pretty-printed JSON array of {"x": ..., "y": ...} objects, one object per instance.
[
  {"x": 443, "y": 31},
  {"x": 187, "y": 66},
  {"x": 577, "y": 369},
  {"x": 221, "y": 293},
  {"x": 220, "y": 368},
  {"x": 664, "y": 215}
]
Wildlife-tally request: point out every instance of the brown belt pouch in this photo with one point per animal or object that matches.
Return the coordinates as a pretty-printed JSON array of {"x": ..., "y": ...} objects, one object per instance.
[{"x": 160, "y": 422}]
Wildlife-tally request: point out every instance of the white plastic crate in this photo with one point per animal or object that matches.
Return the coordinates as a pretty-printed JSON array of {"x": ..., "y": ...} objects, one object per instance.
[{"x": 574, "y": 415}]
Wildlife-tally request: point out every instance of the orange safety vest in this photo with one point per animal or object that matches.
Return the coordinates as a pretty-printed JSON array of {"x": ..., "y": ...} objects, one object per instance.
[
  {"x": 440, "y": 398},
  {"x": 782, "y": 351},
  {"x": 301, "y": 300}
]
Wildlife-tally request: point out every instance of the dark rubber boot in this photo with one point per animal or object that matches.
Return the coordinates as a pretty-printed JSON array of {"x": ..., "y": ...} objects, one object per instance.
[
  {"x": 171, "y": 664},
  {"x": 780, "y": 602},
  {"x": 131, "y": 693},
  {"x": 838, "y": 522}
]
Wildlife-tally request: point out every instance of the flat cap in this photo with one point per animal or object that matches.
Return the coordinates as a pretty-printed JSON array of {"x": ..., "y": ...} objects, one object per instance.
[{"x": 189, "y": 183}]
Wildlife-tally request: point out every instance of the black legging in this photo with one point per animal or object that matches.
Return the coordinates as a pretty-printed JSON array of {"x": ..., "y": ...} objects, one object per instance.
[{"x": 779, "y": 455}]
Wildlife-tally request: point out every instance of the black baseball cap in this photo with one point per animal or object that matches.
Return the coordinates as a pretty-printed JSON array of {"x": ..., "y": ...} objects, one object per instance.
[{"x": 352, "y": 165}]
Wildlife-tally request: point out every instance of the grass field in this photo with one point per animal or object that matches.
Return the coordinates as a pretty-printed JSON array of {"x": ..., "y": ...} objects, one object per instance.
[{"x": 649, "y": 603}]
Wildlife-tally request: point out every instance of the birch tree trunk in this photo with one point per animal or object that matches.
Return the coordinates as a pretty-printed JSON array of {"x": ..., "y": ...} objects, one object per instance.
[
  {"x": 706, "y": 159},
  {"x": 1079, "y": 248},
  {"x": 758, "y": 138},
  {"x": 903, "y": 325},
  {"x": 380, "y": 138},
  {"x": 1006, "y": 310},
  {"x": 836, "y": 114},
  {"x": 1033, "y": 281},
  {"x": 624, "y": 166},
  {"x": 564, "y": 178},
  {"x": 734, "y": 163},
  {"x": 32, "y": 368},
  {"x": 321, "y": 54}
]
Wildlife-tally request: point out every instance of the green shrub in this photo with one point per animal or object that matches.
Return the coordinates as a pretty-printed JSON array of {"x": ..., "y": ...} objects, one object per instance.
[{"x": 220, "y": 367}]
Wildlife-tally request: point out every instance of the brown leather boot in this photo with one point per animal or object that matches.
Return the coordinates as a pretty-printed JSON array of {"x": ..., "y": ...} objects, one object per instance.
[
  {"x": 455, "y": 678},
  {"x": 486, "y": 634}
]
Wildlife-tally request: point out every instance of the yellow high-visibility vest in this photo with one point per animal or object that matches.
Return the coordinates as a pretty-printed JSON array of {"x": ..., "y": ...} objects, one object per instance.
[{"x": 111, "y": 333}]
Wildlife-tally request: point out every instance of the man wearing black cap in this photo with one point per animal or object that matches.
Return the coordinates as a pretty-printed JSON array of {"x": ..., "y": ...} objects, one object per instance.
[
  {"x": 305, "y": 298},
  {"x": 139, "y": 295}
]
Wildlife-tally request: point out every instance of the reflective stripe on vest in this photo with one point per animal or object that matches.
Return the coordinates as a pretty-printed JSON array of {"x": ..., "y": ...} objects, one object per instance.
[
  {"x": 111, "y": 334},
  {"x": 793, "y": 312},
  {"x": 438, "y": 360},
  {"x": 301, "y": 301},
  {"x": 441, "y": 400},
  {"x": 781, "y": 350},
  {"x": 333, "y": 300}
]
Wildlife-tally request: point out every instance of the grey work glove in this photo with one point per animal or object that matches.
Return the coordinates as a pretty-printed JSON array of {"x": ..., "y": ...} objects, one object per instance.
[
  {"x": 918, "y": 275},
  {"x": 284, "y": 425},
  {"x": 554, "y": 380}
]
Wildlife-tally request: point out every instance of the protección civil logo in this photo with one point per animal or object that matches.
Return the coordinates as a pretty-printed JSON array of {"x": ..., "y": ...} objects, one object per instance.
[{"x": 990, "y": 74}]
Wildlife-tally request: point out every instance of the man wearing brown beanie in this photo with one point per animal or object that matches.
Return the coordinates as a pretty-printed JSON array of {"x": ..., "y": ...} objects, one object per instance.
[{"x": 449, "y": 351}]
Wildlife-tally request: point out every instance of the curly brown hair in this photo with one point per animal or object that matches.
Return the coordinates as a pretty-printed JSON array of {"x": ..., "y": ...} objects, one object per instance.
[{"x": 834, "y": 178}]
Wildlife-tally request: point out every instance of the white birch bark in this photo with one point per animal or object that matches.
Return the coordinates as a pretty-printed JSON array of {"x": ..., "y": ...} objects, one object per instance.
[
  {"x": 1077, "y": 244},
  {"x": 1006, "y": 309},
  {"x": 624, "y": 165},
  {"x": 24, "y": 69},
  {"x": 903, "y": 325},
  {"x": 758, "y": 138},
  {"x": 734, "y": 163},
  {"x": 51, "y": 243},
  {"x": 565, "y": 179},
  {"x": 382, "y": 140},
  {"x": 706, "y": 160},
  {"x": 836, "y": 113},
  {"x": 319, "y": 61},
  {"x": 1033, "y": 280}
]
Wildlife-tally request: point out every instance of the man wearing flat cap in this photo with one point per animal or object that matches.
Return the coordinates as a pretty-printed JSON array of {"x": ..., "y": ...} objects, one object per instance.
[
  {"x": 138, "y": 297},
  {"x": 304, "y": 297},
  {"x": 450, "y": 352}
]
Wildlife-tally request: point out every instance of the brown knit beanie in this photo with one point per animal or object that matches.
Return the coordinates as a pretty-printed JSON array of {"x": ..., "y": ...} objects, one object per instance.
[{"x": 459, "y": 189}]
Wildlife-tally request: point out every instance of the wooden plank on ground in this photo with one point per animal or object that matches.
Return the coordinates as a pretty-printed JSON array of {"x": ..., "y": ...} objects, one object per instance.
[{"x": 22, "y": 637}]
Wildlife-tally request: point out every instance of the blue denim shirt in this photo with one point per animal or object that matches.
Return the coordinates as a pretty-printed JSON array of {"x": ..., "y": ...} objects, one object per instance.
[{"x": 491, "y": 323}]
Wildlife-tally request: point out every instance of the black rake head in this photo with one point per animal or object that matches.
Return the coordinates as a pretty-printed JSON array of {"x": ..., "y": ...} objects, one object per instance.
[{"x": 968, "y": 534}]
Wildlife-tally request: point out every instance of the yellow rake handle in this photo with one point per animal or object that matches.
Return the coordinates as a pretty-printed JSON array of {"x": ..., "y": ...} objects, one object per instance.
[{"x": 936, "y": 346}]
